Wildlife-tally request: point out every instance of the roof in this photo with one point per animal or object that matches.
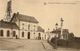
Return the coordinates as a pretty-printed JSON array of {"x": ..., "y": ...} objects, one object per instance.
[
  {"x": 25, "y": 18},
  {"x": 4, "y": 24},
  {"x": 40, "y": 29}
]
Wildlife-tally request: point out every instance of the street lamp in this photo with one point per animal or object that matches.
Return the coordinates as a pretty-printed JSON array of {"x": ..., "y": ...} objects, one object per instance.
[
  {"x": 61, "y": 25},
  {"x": 56, "y": 25}
]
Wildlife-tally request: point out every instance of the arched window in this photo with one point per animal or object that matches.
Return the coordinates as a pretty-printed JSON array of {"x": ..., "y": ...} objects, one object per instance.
[
  {"x": 14, "y": 33},
  {"x": 28, "y": 35},
  {"x": 1, "y": 32},
  {"x": 22, "y": 34},
  {"x": 8, "y": 33}
]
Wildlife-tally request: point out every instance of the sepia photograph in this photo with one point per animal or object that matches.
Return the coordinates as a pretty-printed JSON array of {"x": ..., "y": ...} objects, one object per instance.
[{"x": 39, "y": 25}]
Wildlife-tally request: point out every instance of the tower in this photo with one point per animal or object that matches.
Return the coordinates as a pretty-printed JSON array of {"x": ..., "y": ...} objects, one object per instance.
[{"x": 9, "y": 10}]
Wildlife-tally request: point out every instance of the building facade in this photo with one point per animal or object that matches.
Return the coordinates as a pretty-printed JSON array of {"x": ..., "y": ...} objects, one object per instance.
[
  {"x": 20, "y": 26},
  {"x": 56, "y": 33},
  {"x": 8, "y": 30},
  {"x": 27, "y": 27}
]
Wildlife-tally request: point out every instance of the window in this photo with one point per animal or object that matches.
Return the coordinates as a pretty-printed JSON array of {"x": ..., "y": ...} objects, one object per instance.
[
  {"x": 1, "y": 32},
  {"x": 22, "y": 25},
  {"x": 34, "y": 27},
  {"x": 39, "y": 35},
  {"x": 34, "y": 33},
  {"x": 29, "y": 27},
  {"x": 22, "y": 34},
  {"x": 8, "y": 33},
  {"x": 14, "y": 33}
]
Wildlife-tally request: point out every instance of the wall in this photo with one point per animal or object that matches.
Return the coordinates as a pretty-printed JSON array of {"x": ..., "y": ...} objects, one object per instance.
[
  {"x": 24, "y": 27},
  {"x": 11, "y": 35},
  {"x": 26, "y": 24}
]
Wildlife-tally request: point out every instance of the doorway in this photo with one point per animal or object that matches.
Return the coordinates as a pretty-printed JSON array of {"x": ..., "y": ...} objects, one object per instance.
[
  {"x": 39, "y": 36},
  {"x": 28, "y": 35}
]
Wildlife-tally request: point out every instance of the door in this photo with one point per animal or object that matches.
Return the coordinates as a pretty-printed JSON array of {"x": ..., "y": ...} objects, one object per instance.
[
  {"x": 39, "y": 36},
  {"x": 28, "y": 35}
]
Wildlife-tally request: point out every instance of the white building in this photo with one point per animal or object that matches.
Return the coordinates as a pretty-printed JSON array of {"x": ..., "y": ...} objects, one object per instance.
[
  {"x": 20, "y": 26},
  {"x": 8, "y": 29},
  {"x": 23, "y": 27}
]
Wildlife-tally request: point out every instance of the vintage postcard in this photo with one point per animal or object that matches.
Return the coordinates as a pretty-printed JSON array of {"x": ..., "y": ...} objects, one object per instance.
[{"x": 39, "y": 25}]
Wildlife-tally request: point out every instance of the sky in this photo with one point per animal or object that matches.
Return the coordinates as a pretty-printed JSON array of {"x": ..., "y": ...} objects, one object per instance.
[{"x": 48, "y": 14}]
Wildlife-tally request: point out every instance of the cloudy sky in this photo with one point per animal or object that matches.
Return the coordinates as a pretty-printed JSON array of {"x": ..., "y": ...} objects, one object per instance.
[{"x": 48, "y": 14}]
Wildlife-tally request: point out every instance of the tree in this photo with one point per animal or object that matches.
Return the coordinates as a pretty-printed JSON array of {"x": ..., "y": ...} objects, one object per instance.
[{"x": 71, "y": 36}]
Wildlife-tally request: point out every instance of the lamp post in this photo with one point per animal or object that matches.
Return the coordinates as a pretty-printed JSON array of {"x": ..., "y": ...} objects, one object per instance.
[
  {"x": 56, "y": 26},
  {"x": 61, "y": 27}
]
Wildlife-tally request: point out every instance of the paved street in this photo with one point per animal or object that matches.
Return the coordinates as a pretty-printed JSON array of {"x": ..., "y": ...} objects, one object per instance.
[{"x": 28, "y": 45}]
